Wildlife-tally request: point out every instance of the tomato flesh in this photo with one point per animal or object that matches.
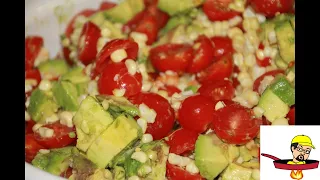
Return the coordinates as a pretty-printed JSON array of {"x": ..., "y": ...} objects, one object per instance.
[
  {"x": 217, "y": 90},
  {"x": 60, "y": 137},
  {"x": 270, "y": 7},
  {"x": 33, "y": 45},
  {"x": 103, "y": 57},
  {"x": 234, "y": 124},
  {"x": 148, "y": 25},
  {"x": 106, "y": 5},
  {"x": 222, "y": 46},
  {"x": 203, "y": 55},
  {"x": 182, "y": 141},
  {"x": 87, "y": 45},
  {"x": 257, "y": 82},
  {"x": 174, "y": 172},
  {"x": 218, "y": 11},
  {"x": 69, "y": 30},
  {"x": 174, "y": 57},
  {"x": 291, "y": 115},
  {"x": 196, "y": 113},
  {"x": 32, "y": 147},
  {"x": 165, "y": 114},
  {"x": 170, "y": 89}
]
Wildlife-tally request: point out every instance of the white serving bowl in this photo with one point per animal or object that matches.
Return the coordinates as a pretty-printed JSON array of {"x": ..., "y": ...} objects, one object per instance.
[{"x": 40, "y": 20}]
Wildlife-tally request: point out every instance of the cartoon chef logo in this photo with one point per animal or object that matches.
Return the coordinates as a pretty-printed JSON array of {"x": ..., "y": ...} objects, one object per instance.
[{"x": 301, "y": 146}]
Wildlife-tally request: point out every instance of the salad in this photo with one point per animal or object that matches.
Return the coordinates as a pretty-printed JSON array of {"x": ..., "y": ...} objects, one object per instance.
[{"x": 161, "y": 89}]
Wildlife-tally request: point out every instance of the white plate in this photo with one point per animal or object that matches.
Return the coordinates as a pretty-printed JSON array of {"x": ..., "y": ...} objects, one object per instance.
[{"x": 40, "y": 20}]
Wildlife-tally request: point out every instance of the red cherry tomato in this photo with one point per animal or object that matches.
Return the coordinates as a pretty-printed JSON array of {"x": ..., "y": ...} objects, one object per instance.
[
  {"x": 182, "y": 141},
  {"x": 218, "y": 70},
  {"x": 234, "y": 124},
  {"x": 29, "y": 126},
  {"x": 218, "y": 10},
  {"x": 217, "y": 90},
  {"x": 170, "y": 89},
  {"x": 150, "y": 2},
  {"x": 203, "y": 55},
  {"x": 87, "y": 44},
  {"x": 33, "y": 74},
  {"x": 174, "y": 172},
  {"x": 196, "y": 113},
  {"x": 175, "y": 57},
  {"x": 270, "y": 7},
  {"x": 66, "y": 55},
  {"x": 263, "y": 62},
  {"x": 165, "y": 114},
  {"x": 132, "y": 23},
  {"x": 86, "y": 13},
  {"x": 31, "y": 147},
  {"x": 257, "y": 82},
  {"x": 105, "y": 5},
  {"x": 116, "y": 76},
  {"x": 291, "y": 115},
  {"x": 265, "y": 121},
  {"x": 67, "y": 173},
  {"x": 60, "y": 137},
  {"x": 33, "y": 45},
  {"x": 161, "y": 17},
  {"x": 222, "y": 46},
  {"x": 148, "y": 25},
  {"x": 103, "y": 57}
]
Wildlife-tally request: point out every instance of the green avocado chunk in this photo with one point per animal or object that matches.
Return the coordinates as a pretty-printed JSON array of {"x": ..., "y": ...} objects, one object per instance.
[
  {"x": 53, "y": 68},
  {"x": 66, "y": 95},
  {"x": 173, "y": 7}
]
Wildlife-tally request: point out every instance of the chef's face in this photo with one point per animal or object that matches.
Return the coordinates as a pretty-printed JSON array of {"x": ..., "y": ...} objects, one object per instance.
[{"x": 301, "y": 153}]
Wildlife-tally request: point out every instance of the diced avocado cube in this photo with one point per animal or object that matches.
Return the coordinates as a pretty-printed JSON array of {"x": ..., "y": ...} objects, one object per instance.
[
  {"x": 97, "y": 18},
  {"x": 286, "y": 41},
  {"x": 90, "y": 121},
  {"x": 82, "y": 88},
  {"x": 76, "y": 76},
  {"x": 41, "y": 105},
  {"x": 280, "y": 63},
  {"x": 272, "y": 105},
  {"x": 160, "y": 150},
  {"x": 124, "y": 11},
  {"x": 251, "y": 164},
  {"x": 232, "y": 152},
  {"x": 53, "y": 68},
  {"x": 66, "y": 95},
  {"x": 173, "y": 7},
  {"x": 123, "y": 132},
  {"x": 236, "y": 172},
  {"x": 266, "y": 28},
  {"x": 245, "y": 153},
  {"x": 282, "y": 88},
  {"x": 292, "y": 22},
  {"x": 54, "y": 162},
  {"x": 209, "y": 157},
  {"x": 119, "y": 173}
]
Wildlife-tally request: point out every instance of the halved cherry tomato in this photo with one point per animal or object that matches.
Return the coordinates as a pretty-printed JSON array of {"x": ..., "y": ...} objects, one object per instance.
[
  {"x": 174, "y": 172},
  {"x": 234, "y": 124},
  {"x": 105, "y": 5},
  {"x": 175, "y": 57},
  {"x": 161, "y": 17},
  {"x": 218, "y": 10},
  {"x": 221, "y": 46},
  {"x": 148, "y": 25},
  {"x": 270, "y": 7},
  {"x": 203, "y": 55},
  {"x": 217, "y": 90},
  {"x": 66, "y": 55},
  {"x": 86, "y": 13},
  {"x": 116, "y": 76},
  {"x": 291, "y": 115},
  {"x": 182, "y": 141},
  {"x": 132, "y": 23},
  {"x": 264, "y": 62},
  {"x": 170, "y": 89},
  {"x": 60, "y": 137},
  {"x": 150, "y": 2},
  {"x": 67, "y": 173},
  {"x": 33, "y": 74},
  {"x": 87, "y": 44},
  {"x": 29, "y": 126},
  {"x": 265, "y": 121},
  {"x": 196, "y": 113},
  {"x": 165, "y": 114},
  {"x": 257, "y": 82},
  {"x": 218, "y": 70},
  {"x": 33, "y": 45},
  {"x": 103, "y": 57},
  {"x": 31, "y": 147}
]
